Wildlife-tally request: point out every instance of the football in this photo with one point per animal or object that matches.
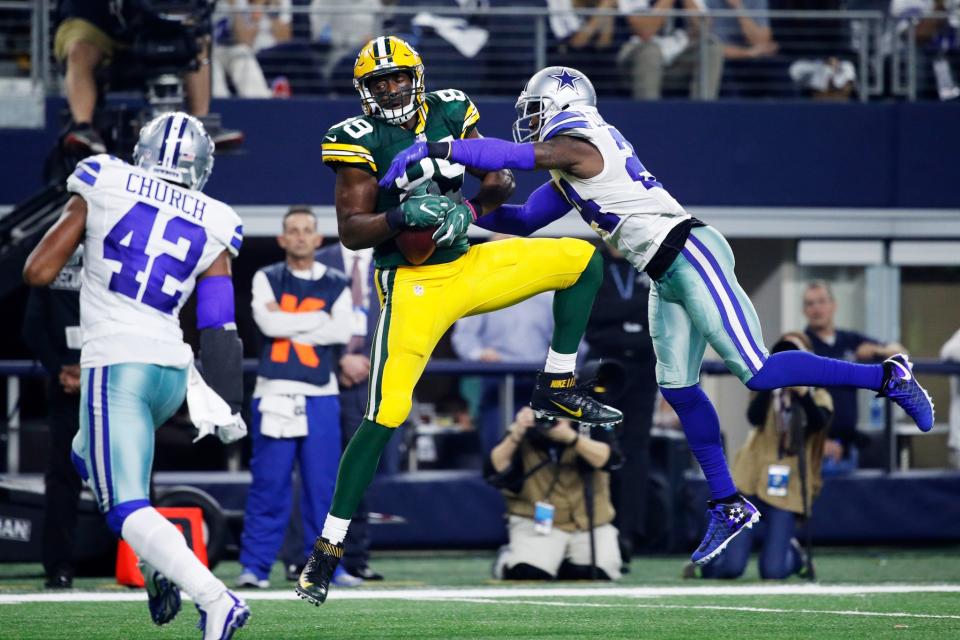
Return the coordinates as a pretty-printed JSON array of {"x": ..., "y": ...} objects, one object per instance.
[{"x": 416, "y": 245}]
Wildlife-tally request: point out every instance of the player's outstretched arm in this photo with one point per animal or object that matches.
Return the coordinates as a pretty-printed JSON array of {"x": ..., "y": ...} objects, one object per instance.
[
  {"x": 542, "y": 207},
  {"x": 564, "y": 153},
  {"x": 57, "y": 245},
  {"x": 496, "y": 187}
]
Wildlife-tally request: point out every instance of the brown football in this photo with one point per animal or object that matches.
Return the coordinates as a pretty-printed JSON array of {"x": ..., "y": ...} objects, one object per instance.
[{"x": 416, "y": 245}]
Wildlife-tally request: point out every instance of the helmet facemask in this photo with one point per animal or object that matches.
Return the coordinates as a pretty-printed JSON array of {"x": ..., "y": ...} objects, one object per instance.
[
  {"x": 532, "y": 113},
  {"x": 410, "y": 99}
]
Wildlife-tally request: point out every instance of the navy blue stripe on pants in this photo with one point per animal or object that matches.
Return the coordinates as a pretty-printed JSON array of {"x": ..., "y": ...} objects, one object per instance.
[{"x": 271, "y": 467}]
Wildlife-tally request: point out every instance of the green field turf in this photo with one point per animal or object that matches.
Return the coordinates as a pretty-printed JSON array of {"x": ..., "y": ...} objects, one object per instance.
[{"x": 450, "y": 595}]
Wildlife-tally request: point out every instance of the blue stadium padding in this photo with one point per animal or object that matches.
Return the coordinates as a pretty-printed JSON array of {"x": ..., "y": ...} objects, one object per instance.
[
  {"x": 718, "y": 154},
  {"x": 458, "y": 509}
]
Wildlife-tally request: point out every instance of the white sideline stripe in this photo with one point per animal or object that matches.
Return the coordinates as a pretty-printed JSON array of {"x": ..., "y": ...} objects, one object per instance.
[
  {"x": 522, "y": 592},
  {"x": 709, "y": 607}
]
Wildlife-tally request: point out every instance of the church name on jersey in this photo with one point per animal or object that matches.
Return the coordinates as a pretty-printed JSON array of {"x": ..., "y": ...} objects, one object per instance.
[{"x": 166, "y": 193}]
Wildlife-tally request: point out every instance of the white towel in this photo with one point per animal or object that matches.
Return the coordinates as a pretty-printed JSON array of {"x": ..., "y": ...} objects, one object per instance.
[
  {"x": 283, "y": 416},
  {"x": 464, "y": 38},
  {"x": 210, "y": 413}
]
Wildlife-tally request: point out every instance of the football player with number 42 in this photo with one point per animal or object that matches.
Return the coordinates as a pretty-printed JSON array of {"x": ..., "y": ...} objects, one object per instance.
[
  {"x": 150, "y": 237},
  {"x": 422, "y": 295},
  {"x": 695, "y": 299}
]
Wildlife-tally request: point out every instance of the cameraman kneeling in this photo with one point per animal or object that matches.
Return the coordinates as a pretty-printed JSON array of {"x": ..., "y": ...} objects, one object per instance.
[{"x": 546, "y": 472}]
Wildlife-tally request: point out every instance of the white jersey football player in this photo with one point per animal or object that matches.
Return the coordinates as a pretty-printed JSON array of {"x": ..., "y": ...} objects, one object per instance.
[
  {"x": 150, "y": 238},
  {"x": 695, "y": 299}
]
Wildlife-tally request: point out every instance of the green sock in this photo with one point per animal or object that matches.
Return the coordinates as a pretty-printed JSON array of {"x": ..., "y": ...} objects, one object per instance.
[
  {"x": 357, "y": 466},
  {"x": 572, "y": 307}
]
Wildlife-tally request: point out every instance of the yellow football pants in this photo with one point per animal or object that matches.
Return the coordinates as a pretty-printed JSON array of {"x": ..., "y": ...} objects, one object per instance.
[{"x": 419, "y": 304}]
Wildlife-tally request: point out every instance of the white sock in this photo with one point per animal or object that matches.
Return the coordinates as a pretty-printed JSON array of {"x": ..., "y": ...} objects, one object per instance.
[
  {"x": 560, "y": 362},
  {"x": 162, "y": 546},
  {"x": 335, "y": 529}
]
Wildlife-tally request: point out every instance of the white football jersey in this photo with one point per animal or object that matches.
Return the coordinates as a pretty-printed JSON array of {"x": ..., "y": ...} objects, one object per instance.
[
  {"x": 624, "y": 203},
  {"x": 146, "y": 242}
]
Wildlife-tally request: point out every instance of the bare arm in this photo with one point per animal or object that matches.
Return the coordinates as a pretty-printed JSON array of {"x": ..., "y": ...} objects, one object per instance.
[
  {"x": 355, "y": 197},
  {"x": 869, "y": 351},
  {"x": 567, "y": 153},
  {"x": 57, "y": 245}
]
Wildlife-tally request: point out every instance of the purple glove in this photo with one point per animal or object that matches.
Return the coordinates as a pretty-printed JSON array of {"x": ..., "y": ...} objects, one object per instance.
[{"x": 411, "y": 155}]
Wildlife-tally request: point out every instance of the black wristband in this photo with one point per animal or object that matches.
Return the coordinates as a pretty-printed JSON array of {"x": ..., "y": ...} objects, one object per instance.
[
  {"x": 438, "y": 150},
  {"x": 394, "y": 218}
]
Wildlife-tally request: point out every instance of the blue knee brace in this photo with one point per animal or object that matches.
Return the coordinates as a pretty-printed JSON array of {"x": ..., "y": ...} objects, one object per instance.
[{"x": 119, "y": 513}]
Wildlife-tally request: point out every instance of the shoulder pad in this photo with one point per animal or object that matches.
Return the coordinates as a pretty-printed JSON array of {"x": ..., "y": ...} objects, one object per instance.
[
  {"x": 563, "y": 121},
  {"x": 457, "y": 108},
  {"x": 350, "y": 142}
]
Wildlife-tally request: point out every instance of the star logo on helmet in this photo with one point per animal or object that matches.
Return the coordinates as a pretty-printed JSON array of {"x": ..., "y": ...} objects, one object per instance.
[{"x": 566, "y": 79}]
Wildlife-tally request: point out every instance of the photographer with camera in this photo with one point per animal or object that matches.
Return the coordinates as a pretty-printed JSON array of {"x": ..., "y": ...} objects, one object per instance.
[
  {"x": 557, "y": 489},
  {"x": 91, "y": 33}
]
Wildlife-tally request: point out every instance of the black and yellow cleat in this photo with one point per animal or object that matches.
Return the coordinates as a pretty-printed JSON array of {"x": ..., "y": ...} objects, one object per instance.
[
  {"x": 315, "y": 578},
  {"x": 557, "y": 395}
]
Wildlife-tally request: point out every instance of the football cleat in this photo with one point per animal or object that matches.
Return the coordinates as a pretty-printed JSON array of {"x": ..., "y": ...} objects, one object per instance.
[
  {"x": 900, "y": 385},
  {"x": 343, "y": 578},
  {"x": 727, "y": 521},
  {"x": 556, "y": 395},
  {"x": 315, "y": 578},
  {"x": 220, "y": 619},
  {"x": 163, "y": 597}
]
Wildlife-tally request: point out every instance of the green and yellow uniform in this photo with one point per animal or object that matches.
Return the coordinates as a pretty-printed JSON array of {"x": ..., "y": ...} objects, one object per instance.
[{"x": 419, "y": 303}]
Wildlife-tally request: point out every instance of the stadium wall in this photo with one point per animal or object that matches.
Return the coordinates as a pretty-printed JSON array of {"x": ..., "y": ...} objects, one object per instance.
[{"x": 784, "y": 154}]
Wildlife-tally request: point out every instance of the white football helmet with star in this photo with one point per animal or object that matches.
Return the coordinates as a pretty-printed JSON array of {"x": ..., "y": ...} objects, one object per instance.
[{"x": 548, "y": 92}]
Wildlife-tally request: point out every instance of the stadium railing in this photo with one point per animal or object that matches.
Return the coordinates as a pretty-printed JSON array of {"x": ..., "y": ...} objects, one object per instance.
[
  {"x": 492, "y": 48},
  {"x": 15, "y": 370}
]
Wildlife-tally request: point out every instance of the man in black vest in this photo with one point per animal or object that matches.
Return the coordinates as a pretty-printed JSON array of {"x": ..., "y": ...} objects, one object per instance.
[
  {"x": 304, "y": 311},
  {"x": 354, "y": 372},
  {"x": 51, "y": 330}
]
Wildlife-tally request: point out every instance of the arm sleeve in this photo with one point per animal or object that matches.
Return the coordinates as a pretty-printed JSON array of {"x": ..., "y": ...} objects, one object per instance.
[
  {"x": 542, "y": 207},
  {"x": 335, "y": 327},
  {"x": 466, "y": 339},
  {"x": 492, "y": 154},
  {"x": 280, "y": 324}
]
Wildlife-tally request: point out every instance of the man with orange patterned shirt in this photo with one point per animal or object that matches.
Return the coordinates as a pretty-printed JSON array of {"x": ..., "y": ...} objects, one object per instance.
[{"x": 304, "y": 311}]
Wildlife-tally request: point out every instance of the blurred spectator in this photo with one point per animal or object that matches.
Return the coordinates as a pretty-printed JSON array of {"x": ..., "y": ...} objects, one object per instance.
[
  {"x": 746, "y": 39},
  {"x": 236, "y": 34},
  {"x": 938, "y": 44},
  {"x": 353, "y": 373},
  {"x": 951, "y": 351},
  {"x": 89, "y": 34},
  {"x": 767, "y": 469},
  {"x": 51, "y": 330},
  {"x": 617, "y": 330},
  {"x": 830, "y": 79},
  {"x": 302, "y": 309},
  {"x": 548, "y": 473},
  {"x": 819, "y": 307},
  {"x": 662, "y": 55},
  {"x": 344, "y": 33},
  {"x": 520, "y": 333},
  {"x": 587, "y": 43}
]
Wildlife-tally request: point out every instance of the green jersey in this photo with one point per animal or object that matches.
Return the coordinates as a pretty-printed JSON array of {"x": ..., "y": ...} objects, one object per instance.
[{"x": 370, "y": 144}]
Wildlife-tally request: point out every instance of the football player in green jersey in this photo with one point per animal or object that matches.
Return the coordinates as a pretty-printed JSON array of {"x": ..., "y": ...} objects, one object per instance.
[{"x": 419, "y": 302}]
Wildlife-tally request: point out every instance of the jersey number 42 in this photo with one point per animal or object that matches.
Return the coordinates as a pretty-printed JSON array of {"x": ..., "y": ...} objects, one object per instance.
[{"x": 127, "y": 244}]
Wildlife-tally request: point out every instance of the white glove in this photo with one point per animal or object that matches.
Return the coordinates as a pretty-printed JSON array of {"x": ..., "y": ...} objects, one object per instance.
[{"x": 232, "y": 432}]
